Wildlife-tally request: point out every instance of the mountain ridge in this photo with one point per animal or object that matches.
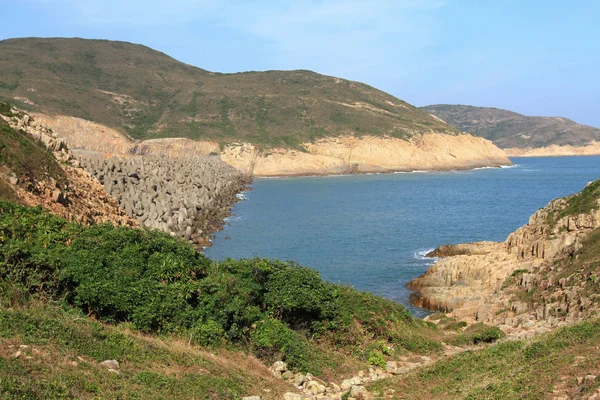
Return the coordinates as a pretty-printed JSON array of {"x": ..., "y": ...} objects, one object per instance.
[
  {"x": 148, "y": 94},
  {"x": 511, "y": 130}
]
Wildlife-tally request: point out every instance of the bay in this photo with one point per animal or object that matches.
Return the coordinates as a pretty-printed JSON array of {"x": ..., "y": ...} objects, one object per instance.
[{"x": 371, "y": 231}]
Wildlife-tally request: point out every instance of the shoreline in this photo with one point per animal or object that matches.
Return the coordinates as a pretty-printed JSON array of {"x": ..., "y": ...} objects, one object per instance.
[
  {"x": 385, "y": 172},
  {"x": 552, "y": 155}
]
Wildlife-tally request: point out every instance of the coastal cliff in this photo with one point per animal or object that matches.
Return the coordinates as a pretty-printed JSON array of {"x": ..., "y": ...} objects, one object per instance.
[
  {"x": 590, "y": 149},
  {"x": 542, "y": 276},
  {"x": 334, "y": 155}
]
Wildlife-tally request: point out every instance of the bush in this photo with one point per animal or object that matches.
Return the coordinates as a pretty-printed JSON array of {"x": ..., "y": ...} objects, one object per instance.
[
  {"x": 478, "y": 333},
  {"x": 208, "y": 333},
  {"x": 376, "y": 358}
]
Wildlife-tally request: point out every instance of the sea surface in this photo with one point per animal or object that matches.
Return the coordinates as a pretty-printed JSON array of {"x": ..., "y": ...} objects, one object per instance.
[{"x": 371, "y": 231}]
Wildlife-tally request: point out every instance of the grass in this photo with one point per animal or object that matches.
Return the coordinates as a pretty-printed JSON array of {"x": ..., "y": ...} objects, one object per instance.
[
  {"x": 66, "y": 347},
  {"x": 147, "y": 94},
  {"x": 510, "y": 370},
  {"x": 583, "y": 202}
]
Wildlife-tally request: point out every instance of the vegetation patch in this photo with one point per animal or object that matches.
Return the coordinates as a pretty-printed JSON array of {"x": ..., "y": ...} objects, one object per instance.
[
  {"x": 477, "y": 334},
  {"x": 159, "y": 285},
  {"x": 583, "y": 202},
  {"x": 510, "y": 370}
]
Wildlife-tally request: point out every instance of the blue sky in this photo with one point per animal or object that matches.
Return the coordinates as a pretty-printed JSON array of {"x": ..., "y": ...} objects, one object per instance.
[{"x": 531, "y": 56}]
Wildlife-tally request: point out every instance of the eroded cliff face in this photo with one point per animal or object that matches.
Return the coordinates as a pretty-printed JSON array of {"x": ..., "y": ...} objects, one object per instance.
[
  {"x": 592, "y": 148},
  {"x": 336, "y": 155},
  {"x": 81, "y": 198},
  {"x": 527, "y": 284},
  {"x": 348, "y": 154}
]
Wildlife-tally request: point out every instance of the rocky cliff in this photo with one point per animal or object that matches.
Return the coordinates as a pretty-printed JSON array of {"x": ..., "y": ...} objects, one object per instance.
[
  {"x": 335, "y": 155},
  {"x": 37, "y": 168},
  {"x": 542, "y": 276},
  {"x": 592, "y": 148}
]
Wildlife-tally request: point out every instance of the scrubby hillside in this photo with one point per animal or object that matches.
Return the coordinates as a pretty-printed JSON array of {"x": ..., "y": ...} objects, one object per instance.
[
  {"x": 148, "y": 94},
  {"x": 508, "y": 129},
  {"x": 160, "y": 297},
  {"x": 564, "y": 364}
]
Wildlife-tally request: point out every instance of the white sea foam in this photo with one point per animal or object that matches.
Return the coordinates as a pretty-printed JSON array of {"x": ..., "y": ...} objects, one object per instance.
[
  {"x": 240, "y": 196},
  {"x": 422, "y": 254}
]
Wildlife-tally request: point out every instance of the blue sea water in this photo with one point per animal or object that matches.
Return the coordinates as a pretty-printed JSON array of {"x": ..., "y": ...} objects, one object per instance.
[{"x": 371, "y": 231}]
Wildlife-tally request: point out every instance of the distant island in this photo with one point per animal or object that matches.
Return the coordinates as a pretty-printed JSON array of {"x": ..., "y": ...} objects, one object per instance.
[{"x": 521, "y": 135}]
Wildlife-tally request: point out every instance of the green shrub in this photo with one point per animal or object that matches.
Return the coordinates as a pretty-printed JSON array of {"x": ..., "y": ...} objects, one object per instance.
[
  {"x": 208, "y": 333},
  {"x": 376, "y": 358},
  {"x": 478, "y": 333},
  {"x": 276, "y": 339}
]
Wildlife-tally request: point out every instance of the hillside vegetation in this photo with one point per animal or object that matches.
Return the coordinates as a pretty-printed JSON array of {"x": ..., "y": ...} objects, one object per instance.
[
  {"x": 508, "y": 129},
  {"x": 150, "y": 283},
  {"x": 564, "y": 364},
  {"x": 148, "y": 94}
]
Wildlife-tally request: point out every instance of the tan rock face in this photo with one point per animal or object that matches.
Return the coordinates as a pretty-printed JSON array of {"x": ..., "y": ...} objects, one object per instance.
[
  {"x": 81, "y": 135},
  {"x": 348, "y": 154},
  {"x": 478, "y": 281},
  {"x": 337, "y": 155},
  {"x": 592, "y": 148},
  {"x": 83, "y": 199}
]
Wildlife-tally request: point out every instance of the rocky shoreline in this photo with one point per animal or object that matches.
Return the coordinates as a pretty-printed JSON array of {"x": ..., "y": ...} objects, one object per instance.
[{"x": 528, "y": 284}]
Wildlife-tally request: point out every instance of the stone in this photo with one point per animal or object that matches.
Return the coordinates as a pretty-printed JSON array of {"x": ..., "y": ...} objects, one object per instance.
[
  {"x": 391, "y": 367},
  {"x": 358, "y": 391},
  {"x": 288, "y": 375},
  {"x": 292, "y": 396},
  {"x": 279, "y": 366},
  {"x": 346, "y": 384},
  {"x": 110, "y": 364},
  {"x": 299, "y": 379},
  {"x": 113, "y": 371},
  {"x": 312, "y": 387},
  {"x": 251, "y": 398}
]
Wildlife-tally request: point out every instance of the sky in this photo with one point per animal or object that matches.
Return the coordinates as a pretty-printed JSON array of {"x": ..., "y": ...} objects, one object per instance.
[{"x": 536, "y": 57}]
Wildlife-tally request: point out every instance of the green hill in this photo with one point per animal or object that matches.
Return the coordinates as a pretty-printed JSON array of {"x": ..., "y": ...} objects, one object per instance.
[
  {"x": 148, "y": 94},
  {"x": 508, "y": 129}
]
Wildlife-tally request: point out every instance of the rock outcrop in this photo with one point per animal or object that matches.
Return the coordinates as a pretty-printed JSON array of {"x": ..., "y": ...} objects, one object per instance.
[
  {"x": 590, "y": 149},
  {"x": 347, "y": 154},
  {"x": 537, "y": 279},
  {"x": 79, "y": 198}
]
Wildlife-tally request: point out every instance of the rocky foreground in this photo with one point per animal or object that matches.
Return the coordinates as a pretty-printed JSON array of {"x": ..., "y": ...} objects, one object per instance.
[
  {"x": 187, "y": 196},
  {"x": 539, "y": 278}
]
